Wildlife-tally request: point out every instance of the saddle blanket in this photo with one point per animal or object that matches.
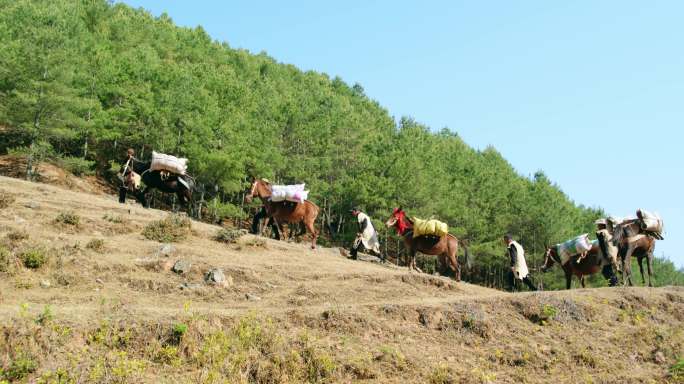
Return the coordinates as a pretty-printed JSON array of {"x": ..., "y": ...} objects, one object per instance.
[
  {"x": 573, "y": 247},
  {"x": 429, "y": 227},
  {"x": 163, "y": 162},
  {"x": 294, "y": 193}
]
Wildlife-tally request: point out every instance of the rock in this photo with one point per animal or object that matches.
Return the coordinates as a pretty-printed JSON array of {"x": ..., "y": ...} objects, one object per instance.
[
  {"x": 166, "y": 250},
  {"x": 659, "y": 358},
  {"x": 45, "y": 284},
  {"x": 252, "y": 297},
  {"x": 99, "y": 281},
  {"x": 181, "y": 266},
  {"x": 19, "y": 220},
  {"x": 269, "y": 285},
  {"x": 189, "y": 286},
  {"x": 32, "y": 205},
  {"x": 217, "y": 277}
]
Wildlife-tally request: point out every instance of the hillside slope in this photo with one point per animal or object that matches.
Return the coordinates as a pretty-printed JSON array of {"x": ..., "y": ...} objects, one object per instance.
[{"x": 112, "y": 311}]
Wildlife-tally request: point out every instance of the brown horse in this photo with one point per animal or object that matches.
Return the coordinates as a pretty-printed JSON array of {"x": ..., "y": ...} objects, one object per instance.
[
  {"x": 285, "y": 211},
  {"x": 445, "y": 247},
  {"x": 632, "y": 241},
  {"x": 594, "y": 262}
]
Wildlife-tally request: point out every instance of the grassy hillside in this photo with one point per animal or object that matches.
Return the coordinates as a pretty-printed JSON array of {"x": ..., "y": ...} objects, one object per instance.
[{"x": 86, "y": 296}]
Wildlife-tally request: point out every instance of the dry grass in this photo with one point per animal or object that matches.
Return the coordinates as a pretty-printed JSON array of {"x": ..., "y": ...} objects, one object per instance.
[
  {"x": 6, "y": 199},
  {"x": 120, "y": 315}
]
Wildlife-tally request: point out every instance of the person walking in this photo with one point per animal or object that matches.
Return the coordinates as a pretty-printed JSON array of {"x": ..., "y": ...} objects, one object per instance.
[
  {"x": 519, "y": 269},
  {"x": 366, "y": 237}
]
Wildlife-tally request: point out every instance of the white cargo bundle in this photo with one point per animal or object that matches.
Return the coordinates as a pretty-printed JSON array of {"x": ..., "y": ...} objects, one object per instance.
[
  {"x": 162, "y": 162},
  {"x": 294, "y": 193},
  {"x": 650, "y": 222},
  {"x": 578, "y": 245}
]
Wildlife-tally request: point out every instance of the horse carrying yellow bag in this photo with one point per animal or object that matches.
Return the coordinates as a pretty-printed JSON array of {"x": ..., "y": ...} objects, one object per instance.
[{"x": 429, "y": 227}]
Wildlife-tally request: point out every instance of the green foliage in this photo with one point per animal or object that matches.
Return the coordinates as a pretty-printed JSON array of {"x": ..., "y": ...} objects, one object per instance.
[
  {"x": 77, "y": 165},
  {"x": 20, "y": 367},
  {"x": 33, "y": 258},
  {"x": 677, "y": 370},
  {"x": 68, "y": 218},
  {"x": 46, "y": 316},
  {"x": 170, "y": 229}
]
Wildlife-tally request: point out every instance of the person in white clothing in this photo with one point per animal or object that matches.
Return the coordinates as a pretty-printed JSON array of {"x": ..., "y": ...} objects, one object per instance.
[
  {"x": 366, "y": 237},
  {"x": 519, "y": 269}
]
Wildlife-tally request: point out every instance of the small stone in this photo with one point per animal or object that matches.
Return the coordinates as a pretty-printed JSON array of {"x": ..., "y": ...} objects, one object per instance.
[
  {"x": 45, "y": 284},
  {"x": 32, "y": 205},
  {"x": 217, "y": 277},
  {"x": 99, "y": 281},
  {"x": 189, "y": 286},
  {"x": 181, "y": 266},
  {"x": 659, "y": 358},
  {"x": 19, "y": 220},
  {"x": 269, "y": 285},
  {"x": 166, "y": 250},
  {"x": 252, "y": 297}
]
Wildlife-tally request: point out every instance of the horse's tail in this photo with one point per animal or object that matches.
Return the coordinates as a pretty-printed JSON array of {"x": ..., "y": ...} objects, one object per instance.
[{"x": 467, "y": 257}]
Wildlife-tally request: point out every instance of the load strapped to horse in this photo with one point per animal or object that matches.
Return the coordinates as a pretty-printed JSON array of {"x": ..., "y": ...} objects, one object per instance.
[
  {"x": 430, "y": 227},
  {"x": 650, "y": 223},
  {"x": 579, "y": 245},
  {"x": 164, "y": 172},
  {"x": 294, "y": 193}
]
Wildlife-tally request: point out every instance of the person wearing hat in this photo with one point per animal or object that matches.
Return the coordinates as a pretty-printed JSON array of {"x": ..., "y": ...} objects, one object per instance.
[
  {"x": 604, "y": 238},
  {"x": 519, "y": 269},
  {"x": 366, "y": 237}
]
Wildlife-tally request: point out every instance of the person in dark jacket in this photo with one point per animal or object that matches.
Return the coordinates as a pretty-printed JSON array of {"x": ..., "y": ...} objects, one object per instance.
[{"x": 519, "y": 269}]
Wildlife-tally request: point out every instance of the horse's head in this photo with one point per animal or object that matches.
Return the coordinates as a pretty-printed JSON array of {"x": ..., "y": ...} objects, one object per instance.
[
  {"x": 398, "y": 219},
  {"x": 260, "y": 188},
  {"x": 550, "y": 258}
]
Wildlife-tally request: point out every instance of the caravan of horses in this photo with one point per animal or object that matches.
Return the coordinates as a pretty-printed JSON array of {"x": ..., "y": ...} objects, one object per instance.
[{"x": 617, "y": 240}]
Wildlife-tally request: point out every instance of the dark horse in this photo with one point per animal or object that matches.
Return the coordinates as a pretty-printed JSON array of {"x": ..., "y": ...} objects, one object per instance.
[
  {"x": 285, "y": 211},
  {"x": 445, "y": 247},
  {"x": 182, "y": 186},
  {"x": 631, "y": 240},
  {"x": 595, "y": 261}
]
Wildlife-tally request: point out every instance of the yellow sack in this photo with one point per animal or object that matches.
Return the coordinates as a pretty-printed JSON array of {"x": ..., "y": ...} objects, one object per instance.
[{"x": 429, "y": 227}]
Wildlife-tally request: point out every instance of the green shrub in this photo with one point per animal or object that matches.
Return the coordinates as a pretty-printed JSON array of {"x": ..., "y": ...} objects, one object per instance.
[
  {"x": 20, "y": 367},
  {"x": 68, "y": 218},
  {"x": 170, "y": 229},
  {"x": 677, "y": 370},
  {"x": 33, "y": 258},
  {"x": 77, "y": 165}
]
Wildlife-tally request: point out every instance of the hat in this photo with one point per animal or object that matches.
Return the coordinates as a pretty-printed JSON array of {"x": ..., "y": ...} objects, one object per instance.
[
  {"x": 355, "y": 209},
  {"x": 601, "y": 222},
  {"x": 265, "y": 180}
]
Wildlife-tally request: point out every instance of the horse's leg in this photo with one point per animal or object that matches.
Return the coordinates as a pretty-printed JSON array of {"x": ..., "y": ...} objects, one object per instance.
[
  {"x": 640, "y": 260},
  {"x": 627, "y": 266},
  {"x": 649, "y": 266},
  {"x": 568, "y": 279},
  {"x": 453, "y": 262},
  {"x": 312, "y": 230},
  {"x": 582, "y": 281}
]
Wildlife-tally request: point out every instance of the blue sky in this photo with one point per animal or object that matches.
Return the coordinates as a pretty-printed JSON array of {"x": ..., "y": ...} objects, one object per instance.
[{"x": 591, "y": 92}]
